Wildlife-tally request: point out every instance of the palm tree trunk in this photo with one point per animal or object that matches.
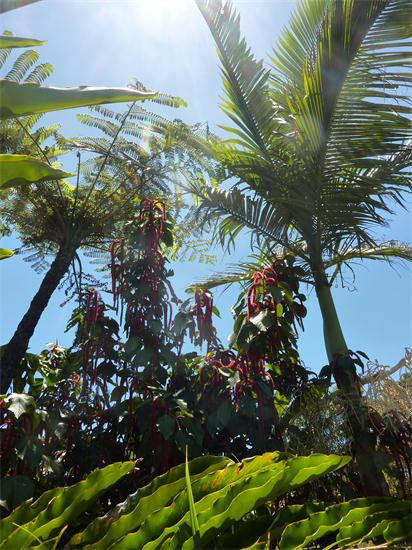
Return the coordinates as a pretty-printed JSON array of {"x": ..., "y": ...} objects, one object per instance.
[
  {"x": 344, "y": 374},
  {"x": 17, "y": 347}
]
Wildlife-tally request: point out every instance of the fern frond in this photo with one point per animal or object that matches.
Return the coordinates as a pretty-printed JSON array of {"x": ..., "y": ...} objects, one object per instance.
[
  {"x": 22, "y": 64},
  {"x": 40, "y": 73},
  {"x": 105, "y": 126},
  {"x": 161, "y": 98}
]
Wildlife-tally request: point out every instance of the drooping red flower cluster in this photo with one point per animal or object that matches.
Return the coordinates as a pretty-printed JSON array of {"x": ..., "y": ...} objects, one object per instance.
[
  {"x": 252, "y": 377},
  {"x": 94, "y": 344},
  {"x": 203, "y": 309},
  {"x": 139, "y": 312},
  {"x": 260, "y": 281}
]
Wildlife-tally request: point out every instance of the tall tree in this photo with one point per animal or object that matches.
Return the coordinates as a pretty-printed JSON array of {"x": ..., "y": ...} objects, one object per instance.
[{"x": 319, "y": 149}]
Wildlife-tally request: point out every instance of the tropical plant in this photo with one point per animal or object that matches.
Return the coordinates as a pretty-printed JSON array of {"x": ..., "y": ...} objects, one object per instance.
[
  {"x": 65, "y": 210},
  {"x": 127, "y": 388},
  {"x": 224, "y": 493},
  {"x": 319, "y": 150}
]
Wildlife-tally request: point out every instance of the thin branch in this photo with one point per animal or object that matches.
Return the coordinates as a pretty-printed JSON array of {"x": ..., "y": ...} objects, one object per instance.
[
  {"x": 388, "y": 373},
  {"x": 109, "y": 151}
]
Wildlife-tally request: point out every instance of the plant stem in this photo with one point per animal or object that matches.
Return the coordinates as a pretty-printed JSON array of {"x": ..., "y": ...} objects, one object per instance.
[{"x": 344, "y": 373}]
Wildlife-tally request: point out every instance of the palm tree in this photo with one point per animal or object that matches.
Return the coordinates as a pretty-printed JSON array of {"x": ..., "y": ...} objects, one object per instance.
[{"x": 319, "y": 150}]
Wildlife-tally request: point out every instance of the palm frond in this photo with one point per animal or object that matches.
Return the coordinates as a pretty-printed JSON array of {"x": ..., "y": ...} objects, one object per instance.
[
  {"x": 234, "y": 211},
  {"x": 245, "y": 79},
  {"x": 243, "y": 271},
  {"x": 372, "y": 113},
  {"x": 295, "y": 42},
  {"x": 385, "y": 251}
]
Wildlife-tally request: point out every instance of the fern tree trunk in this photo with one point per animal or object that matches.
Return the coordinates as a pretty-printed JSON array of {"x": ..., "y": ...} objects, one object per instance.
[
  {"x": 344, "y": 374},
  {"x": 17, "y": 347}
]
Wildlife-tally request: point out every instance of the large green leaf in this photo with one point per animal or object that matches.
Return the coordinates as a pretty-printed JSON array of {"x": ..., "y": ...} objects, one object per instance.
[
  {"x": 18, "y": 42},
  {"x": 20, "y": 403},
  {"x": 29, "y": 98},
  {"x": 372, "y": 525},
  {"x": 5, "y": 253},
  {"x": 354, "y": 520},
  {"x": 23, "y": 169},
  {"x": 64, "y": 506},
  {"x": 158, "y": 515},
  {"x": 238, "y": 500},
  {"x": 138, "y": 506},
  {"x": 249, "y": 531},
  {"x": 26, "y": 512},
  {"x": 223, "y": 497}
]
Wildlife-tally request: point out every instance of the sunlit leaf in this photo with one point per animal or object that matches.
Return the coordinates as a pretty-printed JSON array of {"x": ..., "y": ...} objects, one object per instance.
[
  {"x": 23, "y": 169},
  {"x": 29, "y": 98}
]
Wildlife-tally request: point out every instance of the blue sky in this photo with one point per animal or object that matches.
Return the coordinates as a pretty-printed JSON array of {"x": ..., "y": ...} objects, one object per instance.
[{"x": 166, "y": 45}]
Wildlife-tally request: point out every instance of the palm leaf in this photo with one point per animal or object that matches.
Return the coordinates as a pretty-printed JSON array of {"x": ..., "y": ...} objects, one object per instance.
[{"x": 245, "y": 79}]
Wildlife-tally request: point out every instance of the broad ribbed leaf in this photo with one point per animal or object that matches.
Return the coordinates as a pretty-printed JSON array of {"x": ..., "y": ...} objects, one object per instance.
[
  {"x": 159, "y": 493},
  {"x": 226, "y": 496},
  {"x": 23, "y": 169},
  {"x": 238, "y": 500},
  {"x": 65, "y": 506},
  {"x": 302, "y": 533},
  {"x": 24, "y": 513},
  {"x": 372, "y": 525},
  {"x": 249, "y": 531},
  {"x": 163, "y": 522},
  {"x": 25, "y": 99},
  {"x": 398, "y": 531}
]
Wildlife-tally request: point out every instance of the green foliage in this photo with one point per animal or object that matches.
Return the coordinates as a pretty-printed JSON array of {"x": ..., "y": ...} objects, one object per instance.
[
  {"x": 22, "y": 169},
  {"x": 46, "y": 516},
  {"x": 354, "y": 522},
  {"x": 309, "y": 180},
  {"x": 18, "y": 42},
  {"x": 319, "y": 151},
  {"x": 224, "y": 493},
  {"x": 5, "y": 253},
  {"x": 24, "y": 99},
  {"x": 147, "y": 500}
]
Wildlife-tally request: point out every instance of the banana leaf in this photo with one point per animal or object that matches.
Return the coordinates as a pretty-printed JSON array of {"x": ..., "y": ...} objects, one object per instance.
[
  {"x": 19, "y": 42},
  {"x": 30, "y": 98},
  {"x": 23, "y": 169}
]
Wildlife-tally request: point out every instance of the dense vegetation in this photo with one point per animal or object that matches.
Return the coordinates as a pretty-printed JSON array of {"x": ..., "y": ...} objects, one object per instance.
[{"x": 147, "y": 432}]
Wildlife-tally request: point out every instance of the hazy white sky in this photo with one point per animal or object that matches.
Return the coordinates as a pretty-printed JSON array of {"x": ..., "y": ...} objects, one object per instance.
[{"x": 166, "y": 45}]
